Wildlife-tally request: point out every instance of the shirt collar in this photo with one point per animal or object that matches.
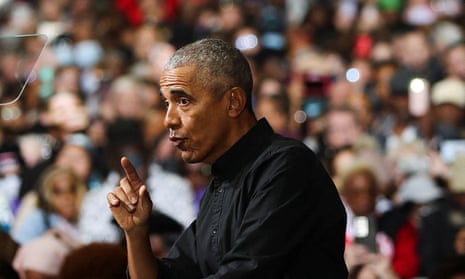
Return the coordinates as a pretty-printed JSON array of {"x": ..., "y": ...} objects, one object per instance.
[{"x": 244, "y": 150}]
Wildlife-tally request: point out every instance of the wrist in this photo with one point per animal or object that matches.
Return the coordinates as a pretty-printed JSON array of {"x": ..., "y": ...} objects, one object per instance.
[{"x": 137, "y": 232}]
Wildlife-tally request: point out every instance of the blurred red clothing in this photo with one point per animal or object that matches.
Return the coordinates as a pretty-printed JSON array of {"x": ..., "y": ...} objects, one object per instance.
[
  {"x": 135, "y": 15},
  {"x": 406, "y": 261}
]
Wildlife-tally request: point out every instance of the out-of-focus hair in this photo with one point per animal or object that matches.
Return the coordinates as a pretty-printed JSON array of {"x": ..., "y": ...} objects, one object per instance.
[
  {"x": 95, "y": 261},
  {"x": 47, "y": 180}
]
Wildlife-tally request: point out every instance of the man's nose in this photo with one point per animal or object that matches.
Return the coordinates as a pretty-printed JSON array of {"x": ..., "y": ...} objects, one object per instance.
[{"x": 171, "y": 119}]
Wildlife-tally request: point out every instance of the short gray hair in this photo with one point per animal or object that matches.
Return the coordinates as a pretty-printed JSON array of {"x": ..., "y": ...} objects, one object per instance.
[{"x": 219, "y": 66}]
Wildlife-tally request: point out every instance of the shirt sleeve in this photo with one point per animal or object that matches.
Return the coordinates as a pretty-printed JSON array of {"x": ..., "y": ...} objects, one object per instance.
[{"x": 183, "y": 262}]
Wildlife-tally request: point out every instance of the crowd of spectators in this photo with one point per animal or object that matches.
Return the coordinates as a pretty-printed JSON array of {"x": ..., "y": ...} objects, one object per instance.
[{"x": 375, "y": 87}]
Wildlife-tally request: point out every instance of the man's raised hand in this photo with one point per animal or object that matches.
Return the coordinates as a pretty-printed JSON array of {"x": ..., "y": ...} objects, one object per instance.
[{"x": 130, "y": 202}]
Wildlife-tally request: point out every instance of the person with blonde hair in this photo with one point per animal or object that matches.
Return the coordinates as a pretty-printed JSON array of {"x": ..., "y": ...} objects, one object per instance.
[{"x": 58, "y": 201}]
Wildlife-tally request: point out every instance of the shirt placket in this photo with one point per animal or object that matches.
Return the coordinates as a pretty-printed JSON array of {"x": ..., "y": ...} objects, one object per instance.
[{"x": 217, "y": 206}]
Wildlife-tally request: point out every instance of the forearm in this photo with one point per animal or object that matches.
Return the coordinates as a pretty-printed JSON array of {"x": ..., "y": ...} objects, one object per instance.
[{"x": 141, "y": 261}]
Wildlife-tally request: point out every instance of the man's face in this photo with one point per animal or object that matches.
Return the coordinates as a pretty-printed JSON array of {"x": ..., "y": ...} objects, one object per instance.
[
  {"x": 360, "y": 194},
  {"x": 342, "y": 129},
  {"x": 455, "y": 62},
  {"x": 198, "y": 121}
]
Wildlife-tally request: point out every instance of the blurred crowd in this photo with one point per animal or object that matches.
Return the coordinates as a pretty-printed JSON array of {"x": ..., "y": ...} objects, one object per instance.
[{"x": 375, "y": 87}]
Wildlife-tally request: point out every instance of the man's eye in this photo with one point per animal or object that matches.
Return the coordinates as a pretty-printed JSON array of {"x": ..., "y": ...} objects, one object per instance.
[{"x": 183, "y": 101}]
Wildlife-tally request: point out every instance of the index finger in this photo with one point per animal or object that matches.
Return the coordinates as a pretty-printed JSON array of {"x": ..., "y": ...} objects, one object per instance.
[{"x": 131, "y": 172}]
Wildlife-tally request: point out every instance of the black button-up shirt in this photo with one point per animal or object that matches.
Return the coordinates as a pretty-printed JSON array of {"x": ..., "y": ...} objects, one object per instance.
[{"x": 270, "y": 211}]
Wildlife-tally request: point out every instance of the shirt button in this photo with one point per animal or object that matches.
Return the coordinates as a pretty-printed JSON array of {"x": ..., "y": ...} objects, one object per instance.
[
  {"x": 214, "y": 232},
  {"x": 220, "y": 190}
]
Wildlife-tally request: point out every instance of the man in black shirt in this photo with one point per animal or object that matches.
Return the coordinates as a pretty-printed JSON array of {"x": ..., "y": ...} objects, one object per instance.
[{"x": 270, "y": 211}]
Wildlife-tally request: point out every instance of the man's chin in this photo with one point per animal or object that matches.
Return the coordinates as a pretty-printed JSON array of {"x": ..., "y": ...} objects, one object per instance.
[{"x": 188, "y": 157}]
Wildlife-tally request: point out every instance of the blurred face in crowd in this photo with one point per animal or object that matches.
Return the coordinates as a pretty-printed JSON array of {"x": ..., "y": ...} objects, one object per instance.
[
  {"x": 271, "y": 108},
  {"x": 339, "y": 91},
  {"x": 63, "y": 196},
  {"x": 68, "y": 79},
  {"x": 76, "y": 158},
  {"x": 361, "y": 103},
  {"x": 342, "y": 160},
  {"x": 382, "y": 51},
  {"x": 197, "y": 119},
  {"x": 67, "y": 112},
  {"x": 400, "y": 106},
  {"x": 383, "y": 75},
  {"x": 126, "y": 100},
  {"x": 159, "y": 54},
  {"x": 342, "y": 128},
  {"x": 454, "y": 61},
  {"x": 416, "y": 50},
  {"x": 359, "y": 191},
  {"x": 145, "y": 38},
  {"x": 269, "y": 86},
  {"x": 231, "y": 16}
]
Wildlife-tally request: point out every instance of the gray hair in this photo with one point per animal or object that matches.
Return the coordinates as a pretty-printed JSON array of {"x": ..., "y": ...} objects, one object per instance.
[{"x": 219, "y": 66}]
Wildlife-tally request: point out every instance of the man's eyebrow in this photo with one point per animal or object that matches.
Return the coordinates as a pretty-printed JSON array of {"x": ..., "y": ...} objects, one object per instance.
[
  {"x": 175, "y": 92},
  {"x": 179, "y": 93},
  {"x": 172, "y": 92}
]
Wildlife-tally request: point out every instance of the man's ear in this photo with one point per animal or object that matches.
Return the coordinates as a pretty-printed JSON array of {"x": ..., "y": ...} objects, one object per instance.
[{"x": 237, "y": 101}]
